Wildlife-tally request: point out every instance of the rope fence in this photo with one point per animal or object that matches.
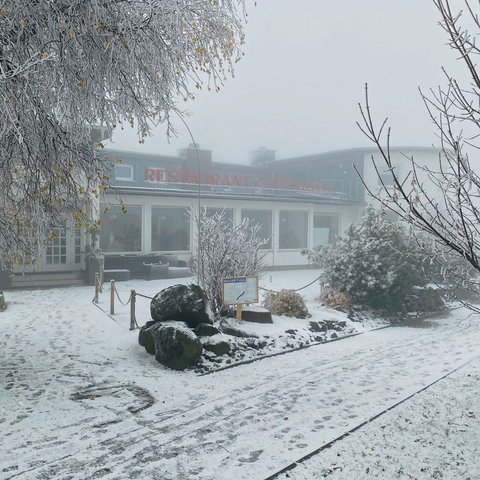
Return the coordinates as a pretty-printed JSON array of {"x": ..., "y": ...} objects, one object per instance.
[
  {"x": 114, "y": 294},
  {"x": 132, "y": 299},
  {"x": 294, "y": 289}
]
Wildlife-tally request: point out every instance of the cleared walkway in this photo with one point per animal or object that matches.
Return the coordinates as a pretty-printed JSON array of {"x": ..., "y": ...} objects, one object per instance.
[{"x": 81, "y": 400}]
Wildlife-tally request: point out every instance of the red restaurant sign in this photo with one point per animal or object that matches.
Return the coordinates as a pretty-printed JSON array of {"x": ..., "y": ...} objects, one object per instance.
[{"x": 164, "y": 176}]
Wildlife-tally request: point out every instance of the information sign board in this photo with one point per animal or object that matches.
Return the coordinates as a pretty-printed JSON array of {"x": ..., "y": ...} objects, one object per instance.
[{"x": 238, "y": 290}]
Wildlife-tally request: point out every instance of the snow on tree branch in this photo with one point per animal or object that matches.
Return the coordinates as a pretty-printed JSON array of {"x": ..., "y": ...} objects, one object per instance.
[
  {"x": 441, "y": 201},
  {"x": 224, "y": 249},
  {"x": 67, "y": 67}
]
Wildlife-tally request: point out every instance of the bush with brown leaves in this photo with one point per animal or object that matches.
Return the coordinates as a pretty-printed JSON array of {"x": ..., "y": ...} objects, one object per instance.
[{"x": 286, "y": 302}]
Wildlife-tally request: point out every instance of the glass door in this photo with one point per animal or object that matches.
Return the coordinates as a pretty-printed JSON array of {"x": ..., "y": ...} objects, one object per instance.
[
  {"x": 325, "y": 229},
  {"x": 62, "y": 251}
]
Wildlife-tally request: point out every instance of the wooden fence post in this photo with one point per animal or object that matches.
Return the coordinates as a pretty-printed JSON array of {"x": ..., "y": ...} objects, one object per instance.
[
  {"x": 112, "y": 297},
  {"x": 100, "y": 289},
  {"x": 133, "y": 320},
  {"x": 97, "y": 282},
  {"x": 239, "y": 311}
]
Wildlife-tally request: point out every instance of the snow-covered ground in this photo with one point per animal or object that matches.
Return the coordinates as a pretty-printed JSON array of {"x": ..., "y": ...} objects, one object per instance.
[{"x": 80, "y": 399}]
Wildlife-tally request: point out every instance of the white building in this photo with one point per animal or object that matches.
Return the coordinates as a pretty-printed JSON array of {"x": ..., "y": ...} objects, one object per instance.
[{"x": 300, "y": 202}]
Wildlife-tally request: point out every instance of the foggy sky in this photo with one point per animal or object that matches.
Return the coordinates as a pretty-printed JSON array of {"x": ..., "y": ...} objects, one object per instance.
[{"x": 296, "y": 91}]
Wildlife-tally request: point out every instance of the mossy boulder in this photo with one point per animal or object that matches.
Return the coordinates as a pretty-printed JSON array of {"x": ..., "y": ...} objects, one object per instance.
[
  {"x": 206, "y": 330},
  {"x": 176, "y": 346},
  {"x": 146, "y": 339},
  {"x": 182, "y": 303}
]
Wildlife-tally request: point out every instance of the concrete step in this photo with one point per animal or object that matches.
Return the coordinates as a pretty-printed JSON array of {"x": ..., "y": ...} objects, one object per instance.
[
  {"x": 47, "y": 280},
  {"x": 179, "y": 272}
]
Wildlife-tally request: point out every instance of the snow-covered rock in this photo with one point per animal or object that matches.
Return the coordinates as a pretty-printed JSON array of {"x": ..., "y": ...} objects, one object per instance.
[
  {"x": 176, "y": 346},
  {"x": 183, "y": 303},
  {"x": 218, "y": 344}
]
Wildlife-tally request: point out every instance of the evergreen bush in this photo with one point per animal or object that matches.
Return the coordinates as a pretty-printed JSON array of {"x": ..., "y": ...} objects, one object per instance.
[
  {"x": 377, "y": 263},
  {"x": 425, "y": 300}
]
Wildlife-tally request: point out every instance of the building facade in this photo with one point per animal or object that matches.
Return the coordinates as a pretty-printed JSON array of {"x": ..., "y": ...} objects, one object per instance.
[{"x": 300, "y": 202}]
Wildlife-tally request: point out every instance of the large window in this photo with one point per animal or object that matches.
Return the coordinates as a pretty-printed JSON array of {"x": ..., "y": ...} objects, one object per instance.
[
  {"x": 264, "y": 218},
  {"x": 227, "y": 213},
  {"x": 121, "y": 231},
  {"x": 293, "y": 229},
  {"x": 170, "y": 229},
  {"x": 325, "y": 229}
]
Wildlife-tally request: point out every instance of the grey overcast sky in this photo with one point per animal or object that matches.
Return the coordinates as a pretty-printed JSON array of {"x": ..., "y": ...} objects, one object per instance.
[{"x": 296, "y": 91}]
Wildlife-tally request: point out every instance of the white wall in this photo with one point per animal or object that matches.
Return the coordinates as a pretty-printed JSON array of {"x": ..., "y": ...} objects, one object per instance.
[
  {"x": 428, "y": 157},
  {"x": 277, "y": 257}
]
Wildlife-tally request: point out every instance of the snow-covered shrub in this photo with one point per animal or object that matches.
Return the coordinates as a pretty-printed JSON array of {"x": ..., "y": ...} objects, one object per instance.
[
  {"x": 286, "y": 302},
  {"x": 377, "y": 263},
  {"x": 223, "y": 249},
  {"x": 448, "y": 267},
  {"x": 336, "y": 299},
  {"x": 425, "y": 300}
]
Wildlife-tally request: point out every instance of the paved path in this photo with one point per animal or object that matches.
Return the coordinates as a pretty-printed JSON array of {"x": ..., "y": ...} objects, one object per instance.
[{"x": 68, "y": 414}]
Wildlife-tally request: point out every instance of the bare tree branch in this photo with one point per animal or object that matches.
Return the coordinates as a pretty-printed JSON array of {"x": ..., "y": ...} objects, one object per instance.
[
  {"x": 69, "y": 67},
  {"x": 441, "y": 202},
  {"x": 226, "y": 250}
]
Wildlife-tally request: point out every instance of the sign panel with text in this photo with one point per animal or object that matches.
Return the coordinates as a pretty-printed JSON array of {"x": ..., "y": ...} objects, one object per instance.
[{"x": 238, "y": 290}]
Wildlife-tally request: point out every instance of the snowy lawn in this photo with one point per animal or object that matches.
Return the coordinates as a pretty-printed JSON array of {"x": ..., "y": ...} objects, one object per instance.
[
  {"x": 80, "y": 399},
  {"x": 285, "y": 334}
]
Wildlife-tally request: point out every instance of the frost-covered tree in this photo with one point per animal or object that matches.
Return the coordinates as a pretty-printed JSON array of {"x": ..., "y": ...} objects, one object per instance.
[
  {"x": 443, "y": 201},
  {"x": 72, "y": 69},
  {"x": 377, "y": 263},
  {"x": 223, "y": 250}
]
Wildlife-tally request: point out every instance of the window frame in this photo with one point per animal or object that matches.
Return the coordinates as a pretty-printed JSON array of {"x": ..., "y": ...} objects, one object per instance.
[
  {"x": 303, "y": 241},
  {"x": 268, "y": 245},
  {"x": 140, "y": 227},
  {"x": 154, "y": 240},
  {"x": 122, "y": 178}
]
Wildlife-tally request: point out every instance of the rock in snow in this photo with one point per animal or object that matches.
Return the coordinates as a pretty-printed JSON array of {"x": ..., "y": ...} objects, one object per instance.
[
  {"x": 173, "y": 344},
  {"x": 175, "y": 311},
  {"x": 183, "y": 303}
]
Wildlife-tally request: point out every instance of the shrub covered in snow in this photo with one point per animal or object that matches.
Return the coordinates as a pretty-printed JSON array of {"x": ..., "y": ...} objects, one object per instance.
[
  {"x": 225, "y": 250},
  {"x": 425, "y": 300},
  {"x": 336, "y": 299},
  {"x": 286, "y": 302},
  {"x": 377, "y": 263}
]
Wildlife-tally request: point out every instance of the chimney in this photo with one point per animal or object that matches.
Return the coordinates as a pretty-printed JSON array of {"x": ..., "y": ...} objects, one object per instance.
[
  {"x": 261, "y": 156},
  {"x": 193, "y": 153}
]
